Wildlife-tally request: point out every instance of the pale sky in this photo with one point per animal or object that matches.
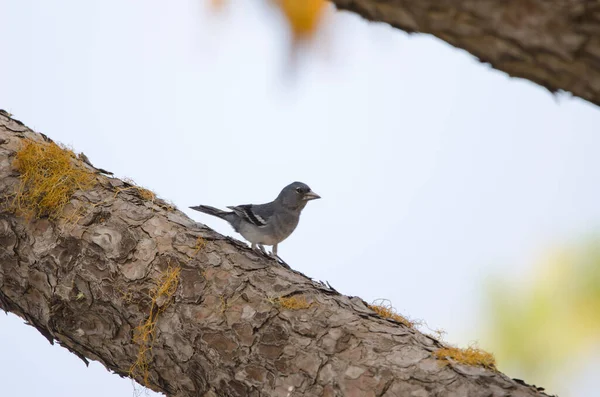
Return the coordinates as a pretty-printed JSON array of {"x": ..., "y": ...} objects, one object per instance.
[{"x": 436, "y": 171}]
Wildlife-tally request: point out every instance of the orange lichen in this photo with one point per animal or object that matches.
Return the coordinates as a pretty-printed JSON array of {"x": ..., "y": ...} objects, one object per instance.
[
  {"x": 144, "y": 334},
  {"x": 385, "y": 309},
  {"x": 472, "y": 355},
  {"x": 50, "y": 174},
  {"x": 293, "y": 302}
]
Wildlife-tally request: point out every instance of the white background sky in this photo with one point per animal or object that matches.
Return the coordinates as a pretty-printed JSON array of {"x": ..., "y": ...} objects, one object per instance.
[{"x": 436, "y": 172}]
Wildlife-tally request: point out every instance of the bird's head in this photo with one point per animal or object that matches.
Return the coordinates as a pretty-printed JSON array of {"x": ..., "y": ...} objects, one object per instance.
[{"x": 296, "y": 195}]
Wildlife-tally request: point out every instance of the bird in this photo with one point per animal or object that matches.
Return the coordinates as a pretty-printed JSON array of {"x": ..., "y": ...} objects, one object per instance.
[{"x": 270, "y": 223}]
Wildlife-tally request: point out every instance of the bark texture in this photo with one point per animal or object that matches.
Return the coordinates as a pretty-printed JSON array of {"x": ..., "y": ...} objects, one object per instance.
[
  {"x": 84, "y": 284},
  {"x": 555, "y": 43}
]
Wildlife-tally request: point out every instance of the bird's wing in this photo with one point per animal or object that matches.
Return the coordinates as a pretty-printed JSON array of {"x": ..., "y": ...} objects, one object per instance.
[{"x": 257, "y": 215}]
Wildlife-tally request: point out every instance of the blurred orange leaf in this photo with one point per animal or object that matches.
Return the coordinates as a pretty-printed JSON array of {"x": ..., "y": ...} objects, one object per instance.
[{"x": 303, "y": 16}]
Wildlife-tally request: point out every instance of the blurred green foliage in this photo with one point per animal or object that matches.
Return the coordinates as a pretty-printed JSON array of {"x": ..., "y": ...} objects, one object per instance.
[{"x": 542, "y": 327}]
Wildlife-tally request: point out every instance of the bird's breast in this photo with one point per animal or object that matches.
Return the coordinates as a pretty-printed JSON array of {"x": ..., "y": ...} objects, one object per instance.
[
  {"x": 258, "y": 235},
  {"x": 284, "y": 225}
]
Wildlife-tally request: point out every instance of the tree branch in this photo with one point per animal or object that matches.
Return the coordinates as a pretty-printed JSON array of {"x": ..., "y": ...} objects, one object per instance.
[
  {"x": 553, "y": 43},
  {"x": 89, "y": 278}
]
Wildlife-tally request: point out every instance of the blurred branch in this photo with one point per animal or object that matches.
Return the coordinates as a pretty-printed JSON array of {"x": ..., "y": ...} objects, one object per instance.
[{"x": 553, "y": 43}]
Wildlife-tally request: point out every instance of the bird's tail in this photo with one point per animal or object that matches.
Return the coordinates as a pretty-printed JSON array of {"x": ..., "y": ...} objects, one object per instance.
[{"x": 211, "y": 211}]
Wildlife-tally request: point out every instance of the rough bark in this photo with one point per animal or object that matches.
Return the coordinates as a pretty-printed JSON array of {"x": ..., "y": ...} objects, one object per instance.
[
  {"x": 84, "y": 283},
  {"x": 555, "y": 43}
]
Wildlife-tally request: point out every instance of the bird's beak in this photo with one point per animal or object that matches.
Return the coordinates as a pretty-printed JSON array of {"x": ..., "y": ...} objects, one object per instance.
[{"x": 311, "y": 196}]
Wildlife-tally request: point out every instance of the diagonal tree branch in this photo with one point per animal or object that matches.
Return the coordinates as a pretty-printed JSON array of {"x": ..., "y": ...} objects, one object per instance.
[
  {"x": 554, "y": 43},
  {"x": 88, "y": 280}
]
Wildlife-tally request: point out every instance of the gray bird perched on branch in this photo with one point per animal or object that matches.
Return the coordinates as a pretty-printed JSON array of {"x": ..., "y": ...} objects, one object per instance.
[{"x": 269, "y": 223}]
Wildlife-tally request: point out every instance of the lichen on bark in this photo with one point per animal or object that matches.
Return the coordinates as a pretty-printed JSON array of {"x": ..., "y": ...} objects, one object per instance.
[{"x": 84, "y": 281}]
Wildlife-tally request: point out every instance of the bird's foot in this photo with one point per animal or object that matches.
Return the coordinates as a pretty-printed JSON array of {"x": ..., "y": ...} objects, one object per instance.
[
  {"x": 280, "y": 261},
  {"x": 260, "y": 249},
  {"x": 263, "y": 250}
]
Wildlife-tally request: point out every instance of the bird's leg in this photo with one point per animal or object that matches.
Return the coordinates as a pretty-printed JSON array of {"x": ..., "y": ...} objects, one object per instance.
[
  {"x": 258, "y": 248},
  {"x": 263, "y": 250},
  {"x": 277, "y": 258}
]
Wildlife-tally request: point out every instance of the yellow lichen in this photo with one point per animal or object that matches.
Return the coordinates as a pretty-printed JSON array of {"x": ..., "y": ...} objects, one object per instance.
[
  {"x": 144, "y": 194},
  {"x": 224, "y": 305},
  {"x": 160, "y": 298},
  {"x": 49, "y": 175},
  {"x": 293, "y": 302},
  {"x": 438, "y": 334},
  {"x": 144, "y": 334},
  {"x": 200, "y": 243},
  {"x": 472, "y": 355},
  {"x": 385, "y": 309}
]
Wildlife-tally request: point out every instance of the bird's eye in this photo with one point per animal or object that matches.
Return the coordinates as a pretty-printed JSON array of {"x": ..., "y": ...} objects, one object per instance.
[{"x": 299, "y": 189}]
